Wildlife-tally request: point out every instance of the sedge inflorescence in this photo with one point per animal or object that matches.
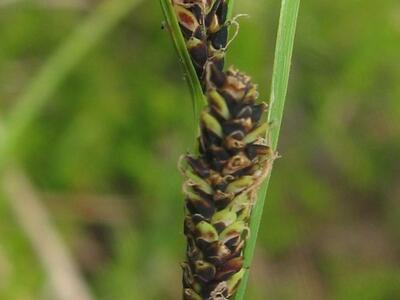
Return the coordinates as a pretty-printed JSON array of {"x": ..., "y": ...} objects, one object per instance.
[{"x": 233, "y": 158}]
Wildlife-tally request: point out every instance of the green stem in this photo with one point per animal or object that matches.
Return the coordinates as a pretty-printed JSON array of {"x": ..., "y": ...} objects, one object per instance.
[
  {"x": 280, "y": 78},
  {"x": 70, "y": 53},
  {"x": 231, "y": 4}
]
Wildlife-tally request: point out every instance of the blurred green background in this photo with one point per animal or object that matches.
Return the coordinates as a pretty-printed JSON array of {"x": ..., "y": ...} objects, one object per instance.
[{"x": 102, "y": 154}]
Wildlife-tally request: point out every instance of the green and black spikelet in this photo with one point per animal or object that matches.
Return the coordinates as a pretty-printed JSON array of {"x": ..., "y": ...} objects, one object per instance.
[
  {"x": 221, "y": 184},
  {"x": 205, "y": 28},
  {"x": 233, "y": 158}
]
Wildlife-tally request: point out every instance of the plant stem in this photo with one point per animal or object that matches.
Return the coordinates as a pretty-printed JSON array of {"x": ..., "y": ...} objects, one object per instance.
[
  {"x": 280, "y": 78},
  {"x": 68, "y": 55},
  {"x": 231, "y": 4}
]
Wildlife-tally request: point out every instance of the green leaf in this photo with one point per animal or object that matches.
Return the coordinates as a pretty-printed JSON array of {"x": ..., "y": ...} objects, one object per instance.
[
  {"x": 280, "y": 78},
  {"x": 231, "y": 4}
]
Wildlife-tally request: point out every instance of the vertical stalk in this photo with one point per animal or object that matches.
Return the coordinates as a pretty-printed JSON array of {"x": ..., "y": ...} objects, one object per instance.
[{"x": 231, "y": 4}]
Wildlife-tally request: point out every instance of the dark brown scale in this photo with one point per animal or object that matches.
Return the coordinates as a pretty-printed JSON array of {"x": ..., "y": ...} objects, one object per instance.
[
  {"x": 188, "y": 225},
  {"x": 209, "y": 18},
  {"x": 216, "y": 153},
  {"x": 193, "y": 252},
  {"x": 219, "y": 227},
  {"x": 199, "y": 55},
  {"x": 222, "y": 203},
  {"x": 236, "y": 110},
  {"x": 205, "y": 271},
  {"x": 202, "y": 244},
  {"x": 218, "y": 62},
  {"x": 221, "y": 186},
  {"x": 238, "y": 135},
  {"x": 232, "y": 243},
  {"x": 242, "y": 172},
  {"x": 199, "y": 166},
  {"x": 220, "y": 38},
  {"x": 212, "y": 254},
  {"x": 215, "y": 163},
  {"x": 187, "y": 34},
  {"x": 253, "y": 151},
  {"x": 205, "y": 207},
  {"x": 202, "y": 194},
  {"x": 217, "y": 78},
  {"x": 234, "y": 104},
  {"x": 222, "y": 12},
  {"x": 212, "y": 32},
  {"x": 231, "y": 127},
  {"x": 217, "y": 158},
  {"x": 257, "y": 112},
  {"x": 209, "y": 138},
  {"x": 252, "y": 111},
  {"x": 199, "y": 34},
  {"x": 197, "y": 11},
  {"x": 245, "y": 112},
  {"x": 229, "y": 268}
]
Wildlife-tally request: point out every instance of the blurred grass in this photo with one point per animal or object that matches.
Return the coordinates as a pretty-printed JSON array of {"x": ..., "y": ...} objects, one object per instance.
[
  {"x": 331, "y": 222},
  {"x": 41, "y": 88}
]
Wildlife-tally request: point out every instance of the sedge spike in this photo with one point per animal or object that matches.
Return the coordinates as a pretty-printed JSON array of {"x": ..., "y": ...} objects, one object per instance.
[
  {"x": 220, "y": 185},
  {"x": 232, "y": 160}
]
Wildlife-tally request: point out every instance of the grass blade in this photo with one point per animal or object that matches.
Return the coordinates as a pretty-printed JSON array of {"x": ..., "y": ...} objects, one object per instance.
[
  {"x": 231, "y": 4},
  {"x": 70, "y": 53},
  {"x": 280, "y": 78}
]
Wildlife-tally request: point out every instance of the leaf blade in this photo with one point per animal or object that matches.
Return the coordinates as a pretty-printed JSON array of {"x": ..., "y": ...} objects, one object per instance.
[{"x": 280, "y": 79}]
